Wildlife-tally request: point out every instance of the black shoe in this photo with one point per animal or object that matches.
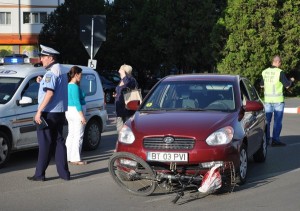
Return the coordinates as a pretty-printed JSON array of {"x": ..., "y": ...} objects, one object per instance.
[
  {"x": 278, "y": 144},
  {"x": 33, "y": 178}
]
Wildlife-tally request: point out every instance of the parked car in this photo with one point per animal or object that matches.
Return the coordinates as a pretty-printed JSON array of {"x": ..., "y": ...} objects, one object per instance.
[
  {"x": 196, "y": 120},
  {"x": 19, "y": 101},
  {"x": 112, "y": 76},
  {"x": 108, "y": 88}
]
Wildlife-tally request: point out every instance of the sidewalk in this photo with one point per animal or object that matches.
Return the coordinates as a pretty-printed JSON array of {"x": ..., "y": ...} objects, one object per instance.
[{"x": 292, "y": 105}]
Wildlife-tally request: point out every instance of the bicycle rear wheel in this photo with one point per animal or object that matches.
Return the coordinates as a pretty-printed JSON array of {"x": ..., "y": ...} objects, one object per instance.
[{"x": 132, "y": 173}]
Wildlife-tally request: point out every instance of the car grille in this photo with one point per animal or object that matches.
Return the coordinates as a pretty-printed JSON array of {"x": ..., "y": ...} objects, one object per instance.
[{"x": 158, "y": 143}]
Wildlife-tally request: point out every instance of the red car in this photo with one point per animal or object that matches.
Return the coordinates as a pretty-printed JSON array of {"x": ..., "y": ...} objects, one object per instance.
[{"x": 189, "y": 121}]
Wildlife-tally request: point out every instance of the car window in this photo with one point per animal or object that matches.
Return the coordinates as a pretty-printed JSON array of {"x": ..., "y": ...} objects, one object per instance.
[
  {"x": 88, "y": 84},
  {"x": 114, "y": 78},
  {"x": 8, "y": 87},
  {"x": 191, "y": 95},
  {"x": 252, "y": 94},
  {"x": 31, "y": 90},
  {"x": 105, "y": 80}
]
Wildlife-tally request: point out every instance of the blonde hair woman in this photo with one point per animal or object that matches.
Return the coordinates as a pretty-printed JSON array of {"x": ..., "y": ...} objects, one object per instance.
[{"x": 127, "y": 81}]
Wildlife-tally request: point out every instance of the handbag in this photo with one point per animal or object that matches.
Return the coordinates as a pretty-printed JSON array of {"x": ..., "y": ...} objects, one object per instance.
[{"x": 132, "y": 94}]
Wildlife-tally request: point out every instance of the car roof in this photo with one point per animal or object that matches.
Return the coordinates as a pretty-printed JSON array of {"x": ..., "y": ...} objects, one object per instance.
[
  {"x": 23, "y": 70},
  {"x": 205, "y": 77},
  {"x": 20, "y": 70}
]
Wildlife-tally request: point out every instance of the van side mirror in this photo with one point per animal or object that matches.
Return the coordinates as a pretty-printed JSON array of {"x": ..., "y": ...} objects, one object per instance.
[{"x": 25, "y": 101}]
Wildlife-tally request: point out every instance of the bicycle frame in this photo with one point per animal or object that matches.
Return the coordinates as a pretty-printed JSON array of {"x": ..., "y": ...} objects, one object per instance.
[{"x": 141, "y": 178}]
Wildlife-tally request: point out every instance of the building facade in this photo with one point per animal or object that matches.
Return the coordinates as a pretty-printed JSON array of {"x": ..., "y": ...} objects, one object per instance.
[{"x": 20, "y": 24}]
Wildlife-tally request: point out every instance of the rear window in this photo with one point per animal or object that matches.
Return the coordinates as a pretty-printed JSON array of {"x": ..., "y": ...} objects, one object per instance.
[{"x": 88, "y": 84}]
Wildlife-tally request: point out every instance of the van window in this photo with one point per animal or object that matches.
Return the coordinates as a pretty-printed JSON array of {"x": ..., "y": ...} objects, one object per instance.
[
  {"x": 88, "y": 84},
  {"x": 31, "y": 90}
]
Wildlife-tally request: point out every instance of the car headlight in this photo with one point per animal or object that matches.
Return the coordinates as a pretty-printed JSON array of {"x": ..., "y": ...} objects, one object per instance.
[
  {"x": 221, "y": 136},
  {"x": 126, "y": 135}
]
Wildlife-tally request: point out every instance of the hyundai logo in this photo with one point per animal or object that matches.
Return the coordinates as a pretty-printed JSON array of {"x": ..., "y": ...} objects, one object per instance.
[{"x": 169, "y": 140}]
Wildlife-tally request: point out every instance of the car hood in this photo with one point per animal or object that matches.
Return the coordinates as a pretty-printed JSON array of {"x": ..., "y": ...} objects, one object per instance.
[{"x": 182, "y": 123}]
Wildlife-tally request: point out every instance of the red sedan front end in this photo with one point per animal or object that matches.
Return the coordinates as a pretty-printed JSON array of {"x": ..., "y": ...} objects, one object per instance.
[
  {"x": 192, "y": 123},
  {"x": 180, "y": 136}
]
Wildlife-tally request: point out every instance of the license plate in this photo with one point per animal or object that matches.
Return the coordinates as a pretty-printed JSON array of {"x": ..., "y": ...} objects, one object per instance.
[{"x": 167, "y": 156}]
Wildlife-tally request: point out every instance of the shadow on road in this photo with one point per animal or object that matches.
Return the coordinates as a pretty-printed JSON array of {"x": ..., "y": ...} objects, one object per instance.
[
  {"x": 280, "y": 160},
  {"x": 27, "y": 159}
]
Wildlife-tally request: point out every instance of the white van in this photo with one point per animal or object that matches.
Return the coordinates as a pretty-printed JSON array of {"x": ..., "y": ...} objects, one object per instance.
[{"x": 19, "y": 101}]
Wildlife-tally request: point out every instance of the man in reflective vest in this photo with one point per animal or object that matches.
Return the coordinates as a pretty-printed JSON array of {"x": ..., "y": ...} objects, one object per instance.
[{"x": 273, "y": 82}]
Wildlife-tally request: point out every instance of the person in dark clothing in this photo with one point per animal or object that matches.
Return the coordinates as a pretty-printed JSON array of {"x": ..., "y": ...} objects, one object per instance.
[{"x": 127, "y": 82}]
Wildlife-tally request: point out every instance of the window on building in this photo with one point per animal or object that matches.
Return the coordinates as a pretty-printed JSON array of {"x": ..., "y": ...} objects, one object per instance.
[
  {"x": 34, "y": 17},
  {"x": 5, "y": 18}
]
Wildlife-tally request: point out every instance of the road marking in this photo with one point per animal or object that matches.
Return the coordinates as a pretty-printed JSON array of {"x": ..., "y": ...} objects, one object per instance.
[{"x": 292, "y": 110}]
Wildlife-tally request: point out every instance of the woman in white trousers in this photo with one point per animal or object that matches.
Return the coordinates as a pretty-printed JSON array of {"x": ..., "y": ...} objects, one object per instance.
[{"x": 76, "y": 117}]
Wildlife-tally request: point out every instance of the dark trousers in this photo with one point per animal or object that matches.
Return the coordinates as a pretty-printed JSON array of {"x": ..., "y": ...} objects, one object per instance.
[{"x": 51, "y": 140}]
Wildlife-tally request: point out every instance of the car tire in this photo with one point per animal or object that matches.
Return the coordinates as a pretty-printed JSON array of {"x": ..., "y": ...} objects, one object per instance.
[
  {"x": 261, "y": 154},
  {"x": 5, "y": 148},
  {"x": 243, "y": 167},
  {"x": 92, "y": 135}
]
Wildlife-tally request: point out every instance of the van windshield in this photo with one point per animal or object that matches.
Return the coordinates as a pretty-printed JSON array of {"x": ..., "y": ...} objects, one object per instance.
[{"x": 8, "y": 87}]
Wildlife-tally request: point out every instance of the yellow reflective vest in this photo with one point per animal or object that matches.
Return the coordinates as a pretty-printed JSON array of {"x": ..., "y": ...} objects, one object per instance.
[{"x": 273, "y": 88}]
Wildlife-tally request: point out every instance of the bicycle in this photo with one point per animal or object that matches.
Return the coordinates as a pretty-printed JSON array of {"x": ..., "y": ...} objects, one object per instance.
[{"x": 138, "y": 177}]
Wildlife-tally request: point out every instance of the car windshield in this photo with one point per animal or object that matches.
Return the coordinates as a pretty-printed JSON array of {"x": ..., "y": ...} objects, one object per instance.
[
  {"x": 8, "y": 87},
  {"x": 191, "y": 95}
]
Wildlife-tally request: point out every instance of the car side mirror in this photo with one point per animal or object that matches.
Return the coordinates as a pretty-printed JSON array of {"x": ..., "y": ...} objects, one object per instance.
[
  {"x": 133, "y": 105},
  {"x": 253, "y": 106},
  {"x": 25, "y": 101}
]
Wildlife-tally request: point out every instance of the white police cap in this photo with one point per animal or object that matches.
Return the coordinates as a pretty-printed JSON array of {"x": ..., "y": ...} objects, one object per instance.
[{"x": 47, "y": 51}]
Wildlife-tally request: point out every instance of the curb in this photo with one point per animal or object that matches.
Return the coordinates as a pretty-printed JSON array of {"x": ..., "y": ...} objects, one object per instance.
[{"x": 292, "y": 110}]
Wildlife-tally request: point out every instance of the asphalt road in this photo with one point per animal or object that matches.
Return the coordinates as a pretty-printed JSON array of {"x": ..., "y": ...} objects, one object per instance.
[{"x": 273, "y": 185}]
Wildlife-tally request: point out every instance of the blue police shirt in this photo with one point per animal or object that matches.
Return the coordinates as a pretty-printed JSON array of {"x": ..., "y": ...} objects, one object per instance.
[{"x": 57, "y": 81}]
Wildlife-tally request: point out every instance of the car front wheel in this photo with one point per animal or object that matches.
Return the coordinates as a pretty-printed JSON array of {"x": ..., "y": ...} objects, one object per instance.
[
  {"x": 243, "y": 168},
  {"x": 5, "y": 147}
]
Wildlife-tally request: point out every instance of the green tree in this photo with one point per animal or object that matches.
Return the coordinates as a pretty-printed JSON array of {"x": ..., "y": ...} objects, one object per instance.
[
  {"x": 62, "y": 29},
  {"x": 290, "y": 30},
  {"x": 4, "y": 52},
  {"x": 253, "y": 37},
  {"x": 150, "y": 33},
  {"x": 121, "y": 15},
  {"x": 182, "y": 33}
]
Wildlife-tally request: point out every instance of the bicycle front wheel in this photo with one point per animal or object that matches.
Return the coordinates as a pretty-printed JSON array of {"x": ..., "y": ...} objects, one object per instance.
[{"x": 132, "y": 173}]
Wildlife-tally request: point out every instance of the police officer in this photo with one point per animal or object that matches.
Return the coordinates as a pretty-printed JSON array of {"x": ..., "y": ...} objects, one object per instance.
[
  {"x": 273, "y": 82},
  {"x": 53, "y": 103}
]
